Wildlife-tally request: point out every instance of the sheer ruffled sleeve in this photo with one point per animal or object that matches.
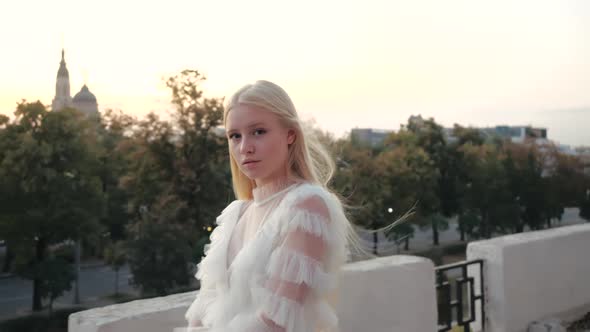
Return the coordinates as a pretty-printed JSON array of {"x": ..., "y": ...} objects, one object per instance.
[
  {"x": 205, "y": 297},
  {"x": 300, "y": 274},
  {"x": 210, "y": 270}
]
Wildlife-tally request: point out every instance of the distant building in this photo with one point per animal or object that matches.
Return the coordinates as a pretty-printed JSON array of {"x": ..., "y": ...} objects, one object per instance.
[
  {"x": 448, "y": 135},
  {"x": 369, "y": 136},
  {"x": 84, "y": 101},
  {"x": 62, "y": 97},
  {"x": 517, "y": 134}
]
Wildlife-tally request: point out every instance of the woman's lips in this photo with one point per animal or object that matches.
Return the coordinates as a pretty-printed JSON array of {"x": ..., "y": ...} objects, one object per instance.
[{"x": 251, "y": 164}]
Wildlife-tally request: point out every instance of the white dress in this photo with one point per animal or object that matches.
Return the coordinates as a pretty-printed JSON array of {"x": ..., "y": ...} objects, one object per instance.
[{"x": 273, "y": 262}]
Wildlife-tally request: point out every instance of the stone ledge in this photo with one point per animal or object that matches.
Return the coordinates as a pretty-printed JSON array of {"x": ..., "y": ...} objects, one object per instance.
[{"x": 369, "y": 289}]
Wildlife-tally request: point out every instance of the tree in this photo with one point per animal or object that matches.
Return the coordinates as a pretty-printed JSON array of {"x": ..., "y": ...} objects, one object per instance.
[
  {"x": 487, "y": 196},
  {"x": 466, "y": 135},
  {"x": 424, "y": 146},
  {"x": 159, "y": 252},
  {"x": 454, "y": 185},
  {"x": 5, "y": 142},
  {"x": 568, "y": 174},
  {"x": 4, "y": 120},
  {"x": 402, "y": 233},
  {"x": 114, "y": 134},
  {"x": 533, "y": 176},
  {"x": 410, "y": 180},
  {"x": 50, "y": 188},
  {"x": 58, "y": 276},
  {"x": 355, "y": 179},
  {"x": 533, "y": 198},
  {"x": 179, "y": 176}
]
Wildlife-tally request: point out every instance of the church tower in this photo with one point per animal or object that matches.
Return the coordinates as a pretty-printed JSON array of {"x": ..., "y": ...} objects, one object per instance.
[{"x": 62, "y": 97}]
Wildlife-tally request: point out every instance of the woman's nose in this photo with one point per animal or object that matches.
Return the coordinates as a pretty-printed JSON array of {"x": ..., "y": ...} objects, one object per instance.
[{"x": 246, "y": 146}]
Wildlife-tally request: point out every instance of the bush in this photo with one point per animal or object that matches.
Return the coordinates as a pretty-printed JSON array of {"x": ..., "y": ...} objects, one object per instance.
[
  {"x": 159, "y": 259},
  {"x": 40, "y": 322}
]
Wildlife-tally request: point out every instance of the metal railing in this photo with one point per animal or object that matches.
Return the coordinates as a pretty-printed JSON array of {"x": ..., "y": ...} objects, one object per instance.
[{"x": 452, "y": 310}]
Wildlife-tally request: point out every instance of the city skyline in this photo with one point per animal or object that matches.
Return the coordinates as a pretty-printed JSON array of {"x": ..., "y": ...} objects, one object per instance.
[{"x": 525, "y": 63}]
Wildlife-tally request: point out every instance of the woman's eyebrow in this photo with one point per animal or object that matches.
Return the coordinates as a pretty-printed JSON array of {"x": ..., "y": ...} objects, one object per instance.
[{"x": 248, "y": 126}]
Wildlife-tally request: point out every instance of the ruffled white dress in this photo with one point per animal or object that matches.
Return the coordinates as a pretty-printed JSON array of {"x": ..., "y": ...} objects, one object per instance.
[{"x": 273, "y": 262}]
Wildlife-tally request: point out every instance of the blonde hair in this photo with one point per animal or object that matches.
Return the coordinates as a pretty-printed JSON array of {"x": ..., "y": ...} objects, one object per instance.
[{"x": 308, "y": 159}]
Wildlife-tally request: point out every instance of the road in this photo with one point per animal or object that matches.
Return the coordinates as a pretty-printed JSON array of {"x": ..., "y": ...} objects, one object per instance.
[
  {"x": 95, "y": 282},
  {"x": 422, "y": 239}
]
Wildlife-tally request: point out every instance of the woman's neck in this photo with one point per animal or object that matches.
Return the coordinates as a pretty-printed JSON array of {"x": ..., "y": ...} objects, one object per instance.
[{"x": 268, "y": 189}]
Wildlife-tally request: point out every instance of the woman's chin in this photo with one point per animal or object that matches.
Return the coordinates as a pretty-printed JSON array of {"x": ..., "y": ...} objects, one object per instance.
[{"x": 251, "y": 174}]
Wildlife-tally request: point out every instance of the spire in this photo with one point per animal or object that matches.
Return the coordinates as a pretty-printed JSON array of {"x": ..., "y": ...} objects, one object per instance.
[
  {"x": 63, "y": 70},
  {"x": 62, "y": 97}
]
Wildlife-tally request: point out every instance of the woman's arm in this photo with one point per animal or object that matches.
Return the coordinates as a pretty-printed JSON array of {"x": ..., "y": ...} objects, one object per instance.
[
  {"x": 298, "y": 275},
  {"x": 297, "y": 269}
]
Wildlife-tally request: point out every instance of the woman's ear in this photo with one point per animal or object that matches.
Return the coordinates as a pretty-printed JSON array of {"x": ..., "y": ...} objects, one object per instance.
[{"x": 291, "y": 135}]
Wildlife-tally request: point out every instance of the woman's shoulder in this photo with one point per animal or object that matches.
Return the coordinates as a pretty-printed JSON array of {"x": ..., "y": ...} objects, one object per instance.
[
  {"x": 232, "y": 208},
  {"x": 313, "y": 208},
  {"x": 312, "y": 196},
  {"x": 306, "y": 191}
]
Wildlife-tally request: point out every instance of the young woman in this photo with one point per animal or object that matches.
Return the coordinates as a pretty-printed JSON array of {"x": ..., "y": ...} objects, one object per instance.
[{"x": 274, "y": 258}]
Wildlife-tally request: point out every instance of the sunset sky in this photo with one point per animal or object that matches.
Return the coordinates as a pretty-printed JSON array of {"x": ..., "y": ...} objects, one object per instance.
[{"x": 347, "y": 64}]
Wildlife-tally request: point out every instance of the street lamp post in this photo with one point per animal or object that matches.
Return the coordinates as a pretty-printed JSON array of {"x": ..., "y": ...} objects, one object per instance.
[
  {"x": 77, "y": 260},
  {"x": 375, "y": 240}
]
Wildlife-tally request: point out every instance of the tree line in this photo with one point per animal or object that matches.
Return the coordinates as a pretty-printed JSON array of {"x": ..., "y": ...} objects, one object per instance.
[
  {"x": 490, "y": 184},
  {"x": 147, "y": 191}
]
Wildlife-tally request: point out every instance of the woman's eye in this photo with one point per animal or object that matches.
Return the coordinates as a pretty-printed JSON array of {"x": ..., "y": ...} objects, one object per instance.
[
  {"x": 259, "y": 132},
  {"x": 234, "y": 136}
]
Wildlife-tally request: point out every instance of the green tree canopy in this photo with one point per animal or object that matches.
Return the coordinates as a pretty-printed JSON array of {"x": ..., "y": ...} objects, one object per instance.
[{"x": 50, "y": 186}]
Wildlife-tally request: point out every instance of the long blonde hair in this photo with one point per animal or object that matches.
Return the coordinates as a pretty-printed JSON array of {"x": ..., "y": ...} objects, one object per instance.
[{"x": 308, "y": 158}]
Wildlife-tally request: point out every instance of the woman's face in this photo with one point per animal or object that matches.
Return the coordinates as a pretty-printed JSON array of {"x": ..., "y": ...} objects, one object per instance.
[{"x": 258, "y": 142}]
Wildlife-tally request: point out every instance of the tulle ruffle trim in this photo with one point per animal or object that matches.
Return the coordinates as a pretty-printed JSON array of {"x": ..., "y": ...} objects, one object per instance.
[
  {"x": 198, "y": 309},
  {"x": 284, "y": 263},
  {"x": 332, "y": 231},
  {"x": 292, "y": 315},
  {"x": 211, "y": 270},
  {"x": 293, "y": 266},
  {"x": 212, "y": 264}
]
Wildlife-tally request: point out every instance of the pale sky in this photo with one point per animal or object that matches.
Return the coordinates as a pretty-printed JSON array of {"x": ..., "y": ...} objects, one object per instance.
[{"x": 347, "y": 64}]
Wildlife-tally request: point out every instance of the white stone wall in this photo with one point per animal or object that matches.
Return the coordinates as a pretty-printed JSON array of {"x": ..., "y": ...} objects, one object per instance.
[
  {"x": 160, "y": 314},
  {"x": 395, "y": 293},
  {"x": 535, "y": 275}
]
